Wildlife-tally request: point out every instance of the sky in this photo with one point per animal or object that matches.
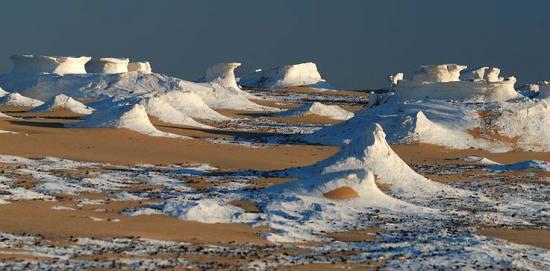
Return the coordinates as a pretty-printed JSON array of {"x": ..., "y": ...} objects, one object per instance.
[{"x": 355, "y": 44}]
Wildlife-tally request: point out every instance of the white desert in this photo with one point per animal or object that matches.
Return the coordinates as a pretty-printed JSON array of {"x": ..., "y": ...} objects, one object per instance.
[{"x": 107, "y": 164}]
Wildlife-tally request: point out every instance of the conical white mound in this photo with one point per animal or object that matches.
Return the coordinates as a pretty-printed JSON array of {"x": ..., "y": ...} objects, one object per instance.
[
  {"x": 17, "y": 99},
  {"x": 129, "y": 116},
  {"x": 371, "y": 152},
  {"x": 63, "y": 101},
  {"x": 317, "y": 108}
]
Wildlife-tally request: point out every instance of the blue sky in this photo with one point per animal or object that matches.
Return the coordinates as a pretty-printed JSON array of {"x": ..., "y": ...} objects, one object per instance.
[{"x": 356, "y": 44}]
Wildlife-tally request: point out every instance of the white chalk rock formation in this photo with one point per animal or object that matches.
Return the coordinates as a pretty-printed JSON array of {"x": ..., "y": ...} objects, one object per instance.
[
  {"x": 144, "y": 67},
  {"x": 438, "y": 73},
  {"x": 129, "y": 116},
  {"x": 126, "y": 85},
  {"x": 304, "y": 74},
  {"x": 223, "y": 74},
  {"x": 369, "y": 153},
  {"x": 474, "y": 75},
  {"x": 16, "y": 99},
  {"x": 443, "y": 82},
  {"x": 395, "y": 78},
  {"x": 223, "y": 92},
  {"x": 544, "y": 90},
  {"x": 3, "y": 92},
  {"x": 49, "y": 64},
  {"x": 63, "y": 101},
  {"x": 107, "y": 65},
  {"x": 316, "y": 108}
]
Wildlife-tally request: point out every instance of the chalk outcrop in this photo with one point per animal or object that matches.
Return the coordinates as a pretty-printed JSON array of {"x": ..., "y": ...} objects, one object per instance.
[
  {"x": 304, "y": 74},
  {"x": 395, "y": 78},
  {"x": 223, "y": 74},
  {"x": 544, "y": 89},
  {"x": 49, "y": 64},
  {"x": 443, "y": 82},
  {"x": 330, "y": 111},
  {"x": 16, "y": 99},
  {"x": 144, "y": 67},
  {"x": 120, "y": 115},
  {"x": 107, "y": 65},
  {"x": 63, "y": 101}
]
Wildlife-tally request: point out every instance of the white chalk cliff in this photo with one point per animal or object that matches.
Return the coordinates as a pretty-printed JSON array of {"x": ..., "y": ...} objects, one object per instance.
[
  {"x": 49, "y": 64},
  {"x": 107, "y": 65}
]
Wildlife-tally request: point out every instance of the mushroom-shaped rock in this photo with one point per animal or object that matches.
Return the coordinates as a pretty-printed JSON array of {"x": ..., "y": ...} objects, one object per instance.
[
  {"x": 223, "y": 74},
  {"x": 143, "y": 67},
  {"x": 107, "y": 65},
  {"x": 438, "y": 73},
  {"x": 49, "y": 64}
]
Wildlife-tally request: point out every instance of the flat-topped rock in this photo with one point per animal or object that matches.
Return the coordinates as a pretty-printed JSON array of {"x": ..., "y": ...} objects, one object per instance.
[
  {"x": 142, "y": 66},
  {"x": 108, "y": 65},
  {"x": 49, "y": 64},
  {"x": 438, "y": 73},
  {"x": 303, "y": 74},
  {"x": 444, "y": 82}
]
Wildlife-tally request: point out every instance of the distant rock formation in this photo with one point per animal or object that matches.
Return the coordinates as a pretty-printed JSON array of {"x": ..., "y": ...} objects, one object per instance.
[
  {"x": 304, "y": 74},
  {"x": 223, "y": 74},
  {"x": 107, "y": 65},
  {"x": 443, "y": 82},
  {"x": 438, "y": 73},
  {"x": 144, "y": 67},
  {"x": 49, "y": 64}
]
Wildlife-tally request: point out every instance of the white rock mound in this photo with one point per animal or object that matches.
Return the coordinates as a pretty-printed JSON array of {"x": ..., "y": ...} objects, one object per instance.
[
  {"x": 371, "y": 152},
  {"x": 187, "y": 103},
  {"x": 223, "y": 74},
  {"x": 317, "y": 108},
  {"x": 16, "y": 99},
  {"x": 63, "y": 101},
  {"x": 129, "y": 116},
  {"x": 443, "y": 82},
  {"x": 49, "y": 64},
  {"x": 144, "y": 67},
  {"x": 108, "y": 65},
  {"x": 222, "y": 90},
  {"x": 3, "y": 92},
  {"x": 303, "y": 74}
]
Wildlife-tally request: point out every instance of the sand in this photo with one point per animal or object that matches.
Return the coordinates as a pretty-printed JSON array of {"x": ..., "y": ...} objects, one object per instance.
[
  {"x": 38, "y": 217},
  {"x": 533, "y": 237},
  {"x": 122, "y": 146},
  {"x": 430, "y": 154},
  {"x": 341, "y": 193}
]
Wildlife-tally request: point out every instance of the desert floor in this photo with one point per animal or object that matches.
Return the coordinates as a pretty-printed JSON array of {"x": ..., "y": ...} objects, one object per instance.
[{"x": 77, "y": 223}]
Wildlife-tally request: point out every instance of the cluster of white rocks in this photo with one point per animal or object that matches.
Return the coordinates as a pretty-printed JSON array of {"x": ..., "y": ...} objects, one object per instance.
[
  {"x": 452, "y": 81},
  {"x": 76, "y": 65}
]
